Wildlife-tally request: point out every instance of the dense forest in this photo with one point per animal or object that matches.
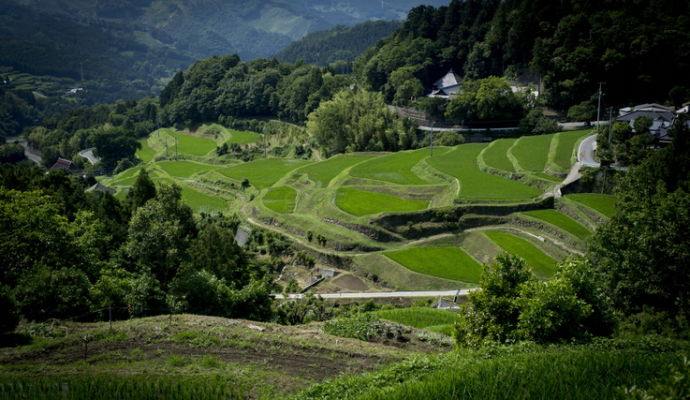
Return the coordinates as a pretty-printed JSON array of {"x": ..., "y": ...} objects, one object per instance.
[
  {"x": 639, "y": 50},
  {"x": 338, "y": 46}
]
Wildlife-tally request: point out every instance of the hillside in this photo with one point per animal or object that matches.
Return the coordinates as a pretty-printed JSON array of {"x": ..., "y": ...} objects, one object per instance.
[
  {"x": 567, "y": 46},
  {"x": 341, "y": 43}
]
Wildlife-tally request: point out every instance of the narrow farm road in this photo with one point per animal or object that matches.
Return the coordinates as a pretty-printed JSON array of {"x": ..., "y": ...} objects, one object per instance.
[
  {"x": 32, "y": 154},
  {"x": 380, "y": 295},
  {"x": 88, "y": 154}
]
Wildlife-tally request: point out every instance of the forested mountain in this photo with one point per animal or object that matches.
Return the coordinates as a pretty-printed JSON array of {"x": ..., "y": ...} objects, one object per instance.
[
  {"x": 639, "y": 49},
  {"x": 341, "y": 43}
]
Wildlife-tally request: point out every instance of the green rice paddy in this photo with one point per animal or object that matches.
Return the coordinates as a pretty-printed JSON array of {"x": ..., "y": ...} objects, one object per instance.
[
  {"x": 496, "y": 155},
  {"x": 184, "y": 169},
  {"x": 604, "y": 203},
  {"x": 201, "y": 202},
  {"x": 443, "y": 262},
  {"x": 461, "y": 163},
  {"x": 393, "y": 168},
  {"x": 541, "y": 264},
  {"x": 188, "y": 144},
  {"x": 564, "y": 149},
  {"x": 242, "y": 137},
  {"x": 361, "y": 202},
  {"x": 532, "y": 152},
  {"x": 562, "y": 221},
  {"x": 323, "y": 172},
  {"x": 280, "y": 199},
  {"x": 263, "y": 173}
]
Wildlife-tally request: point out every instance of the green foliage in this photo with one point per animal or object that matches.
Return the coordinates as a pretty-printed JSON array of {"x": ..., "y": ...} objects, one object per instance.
[
  {"x": 485, "y": 99},
  {"x": 11, "y": 153},
  {"x": 121, "y": 387},
  {"x": 358, "y": 120},
  {"x": 360, "y": 202},
  {"x": 302, "y": 311},
  {"x": 513, "y": 306},
  {"x": 536, "y": 123},
  {"x": 45, "y": 293},
  {"x": 142, "y": 191},
  {"x": 443, "y": 262},
  {"x": 675, "y": 384},
  {"x": 9, "y": 313},
  {"x": 341, "y": 43},
  {"x": 363, "y": 327},
  {"x": 585, "y": 111},
  {"x": 642, "y": 251}
]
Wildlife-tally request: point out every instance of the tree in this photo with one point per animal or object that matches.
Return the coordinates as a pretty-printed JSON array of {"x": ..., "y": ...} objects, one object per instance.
[
  {"x": 493, "y": 312},
  {"x": 215, "y": 251},
  {"x": 642, "y": 253},
  {"x": 585, "y": 111},
  {"x": 45, "y": 293},
  {"x": 9, "y": 314},
  {"x": 142, "y": 191},
  {"x": 485, "y": 99}
]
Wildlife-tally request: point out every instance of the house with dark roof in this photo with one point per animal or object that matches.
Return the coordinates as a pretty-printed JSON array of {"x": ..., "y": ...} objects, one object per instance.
[
  {"x": 101, "y": 188},
  {"x": 447, "y": 86},
  {"x": 63, "y": 165},
  {"x": 662, "y": 118}
]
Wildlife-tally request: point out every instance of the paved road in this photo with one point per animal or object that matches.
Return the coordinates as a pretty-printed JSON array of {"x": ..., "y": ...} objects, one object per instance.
[
  {"x": 31, "y": 154},
  {"x": 560, "y": 124},
  {"x": 380, "y": 295},
  {"x": 88, "y": 154},
  {"x": 585, "y": 153}
]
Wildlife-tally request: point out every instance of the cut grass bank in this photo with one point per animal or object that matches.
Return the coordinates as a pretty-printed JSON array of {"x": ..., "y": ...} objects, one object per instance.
[
  {"x": 541, "y": 264},
  {"x": 443, "y": 262}
]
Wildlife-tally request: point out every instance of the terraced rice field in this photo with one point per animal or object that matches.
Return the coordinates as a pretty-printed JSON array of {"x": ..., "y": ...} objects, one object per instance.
[
  {"x": 362, "y": 202},
  {"x": 184, "y": 169},
  {"x": 280, "y": 199},
  {"x": 323, "y": 172},
  {"x": 263, "y": 173},
  {"x": 443, "y": 262},
  {"x": 603, "y": 203},
  {"x": 145, "y": 153},
  {"x": 393, "y": 168},
  {"x": 542, "y": 265},
  {"x": 242, "y": 137},
  {"x": 566, "y": 143},
  {"x": 562, "y": 221},
  {"x": 201, "y": 202},
  {"x": 461, "y": 163},
  {"x": 188, "y": 144},
  {"x": 532, "y": 152},
  {"x": 496, "y": 155}
]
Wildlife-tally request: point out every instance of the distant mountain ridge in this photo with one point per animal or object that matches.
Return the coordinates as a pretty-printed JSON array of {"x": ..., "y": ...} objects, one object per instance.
[{"x": 340, "y": 43}]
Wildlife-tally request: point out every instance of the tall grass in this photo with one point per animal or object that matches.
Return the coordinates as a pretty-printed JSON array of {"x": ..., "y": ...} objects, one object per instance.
[
  {"x": 113, "y": 387},
  {"x": 419, "y": 317}
]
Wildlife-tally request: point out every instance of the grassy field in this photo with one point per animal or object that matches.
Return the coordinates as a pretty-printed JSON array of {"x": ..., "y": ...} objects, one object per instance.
[
  {"x": 443, "y": 262},
  {"x": 201, "y": 202},
  {"x": 565, "y": 372},
  {"x": 532, "y": 152},
  {"x": 461, "y": 162},
  {"x": 263, "y": 173},
  {"x": 562, "y": 221},
  {"x": 604, "y": 203},
  {"x": 541, "y": 264},
  {"x": 362, "y": 202},
  {"x": 564, "y": 150},
  {"x": 188, "y": 144},
  {"x": 419, "y": 317},
  {"x": 394, "y": 168},
  {"x": 280, "y": 199},
  {"x": 496, "y": 155},
  {"x": 323, "y": 172},
  {"x": 184, "y": 169},
  {"x": 145, "y": 153}
]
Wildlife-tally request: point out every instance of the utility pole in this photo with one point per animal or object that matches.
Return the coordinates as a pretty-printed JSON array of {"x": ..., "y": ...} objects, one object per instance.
[{"x": 599, "y": 107}]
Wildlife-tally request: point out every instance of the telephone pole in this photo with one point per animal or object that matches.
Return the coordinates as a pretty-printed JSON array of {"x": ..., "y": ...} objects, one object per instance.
[{"x": 599, "y": 107}]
